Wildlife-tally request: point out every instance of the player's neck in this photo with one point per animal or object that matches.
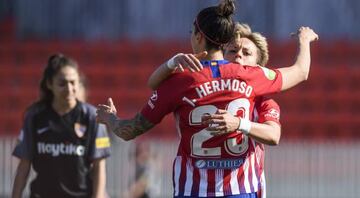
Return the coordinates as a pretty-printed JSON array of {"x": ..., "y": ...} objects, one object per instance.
[
  {"x": 63, "y": 107},
  {"x": 214, "y": 55}
]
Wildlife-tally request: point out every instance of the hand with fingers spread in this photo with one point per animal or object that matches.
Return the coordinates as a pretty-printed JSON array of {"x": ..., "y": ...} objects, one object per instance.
[
  {"x": 105, "y": 113},
  {"x": 125, "y": 129},
  {"x": 182, "y": 61},
  {"x": 221, "y": 122}
]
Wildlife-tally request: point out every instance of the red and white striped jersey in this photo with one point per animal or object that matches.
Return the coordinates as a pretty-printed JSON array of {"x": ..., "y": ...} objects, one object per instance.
[
  {"x": 265, "y": 110},
  {"x": 209, "y": 165}
]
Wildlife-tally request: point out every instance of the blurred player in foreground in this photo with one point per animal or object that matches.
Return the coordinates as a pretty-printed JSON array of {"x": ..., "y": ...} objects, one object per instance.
[
  {"x": 138, "y": 189},
  {"x": 61, "y": 139},
  {"x": 210, "y": 160}
]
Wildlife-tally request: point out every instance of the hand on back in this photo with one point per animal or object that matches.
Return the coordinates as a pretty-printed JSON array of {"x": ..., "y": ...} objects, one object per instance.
[{"x": 191, "y": 61}]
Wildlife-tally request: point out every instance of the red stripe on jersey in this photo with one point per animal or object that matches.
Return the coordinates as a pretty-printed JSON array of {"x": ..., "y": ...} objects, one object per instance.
[
  {"x": 182, "y": 176},
  {"x": 211, "y": 183},
  {"x": 250, "y": 172},
  {"x": 196, "y": 178},
  {"x": 227, "y": 178},
  {"x": 241, "y": 179},
  {"x": 259, "y": 193},
  {"x": 258, "y": 161}
]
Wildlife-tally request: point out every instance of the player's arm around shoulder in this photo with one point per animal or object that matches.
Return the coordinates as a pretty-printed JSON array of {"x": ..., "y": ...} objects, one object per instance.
[
  {"x": 268, "y": 132},
  {"x": 126, "y": 129}
]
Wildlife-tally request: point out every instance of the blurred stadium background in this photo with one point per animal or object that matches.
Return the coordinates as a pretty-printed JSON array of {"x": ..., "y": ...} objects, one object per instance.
[{"x": 119, "y": 43}]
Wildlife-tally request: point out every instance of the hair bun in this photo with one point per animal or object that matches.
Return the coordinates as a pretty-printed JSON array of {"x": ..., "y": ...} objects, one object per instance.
[
  {"x": 55, "y": 58},
  {"x": 226, "y": 8}
]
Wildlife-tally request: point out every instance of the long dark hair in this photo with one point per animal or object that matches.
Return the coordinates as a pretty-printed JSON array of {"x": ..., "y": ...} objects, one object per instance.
[
  {"x": 216, "y": 24},
  {"x": 54, "y": 64}
]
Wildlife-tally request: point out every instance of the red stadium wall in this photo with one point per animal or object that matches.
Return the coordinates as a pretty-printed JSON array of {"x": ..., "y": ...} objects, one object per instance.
[{"x": 324, "y": 107}]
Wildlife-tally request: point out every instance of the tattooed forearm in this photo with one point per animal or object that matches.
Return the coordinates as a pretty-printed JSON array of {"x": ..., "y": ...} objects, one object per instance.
[{"x": 129, "y": 129}]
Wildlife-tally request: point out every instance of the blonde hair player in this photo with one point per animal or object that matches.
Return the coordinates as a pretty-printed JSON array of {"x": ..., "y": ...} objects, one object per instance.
[{"x": 209, "y": 163}]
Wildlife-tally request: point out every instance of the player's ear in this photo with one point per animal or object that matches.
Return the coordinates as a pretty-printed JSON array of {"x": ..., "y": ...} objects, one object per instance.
[{"x": 199, "y": 36}]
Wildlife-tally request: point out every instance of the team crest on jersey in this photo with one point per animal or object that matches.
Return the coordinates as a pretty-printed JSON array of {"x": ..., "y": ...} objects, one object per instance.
[
  {"x": 273, "y": 113},
  {"x": 240, "y": 112},
  {"x": 79, "y": 129},
  {"x": 154, "y": 96},
  {"x": 270, "y": 74}
]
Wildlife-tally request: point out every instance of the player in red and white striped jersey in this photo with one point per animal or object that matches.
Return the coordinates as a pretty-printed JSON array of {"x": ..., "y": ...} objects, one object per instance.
[
  {"x": 253, "y": 51},
  {"x": 250, "y": 48},
  {"x": 207, "y": 164},
  {"x": 266, "y": 111}
]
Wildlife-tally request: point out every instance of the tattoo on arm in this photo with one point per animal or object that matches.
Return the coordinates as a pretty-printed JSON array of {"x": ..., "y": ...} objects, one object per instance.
[{"x": 133, "y": 127}]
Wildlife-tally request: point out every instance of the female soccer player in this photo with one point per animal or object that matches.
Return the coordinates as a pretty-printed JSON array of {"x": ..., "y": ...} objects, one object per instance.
[
  {"x": 61, "y": 139},
  {"x": 210, "y": 165},
  {"x": 250, "y": 48}
]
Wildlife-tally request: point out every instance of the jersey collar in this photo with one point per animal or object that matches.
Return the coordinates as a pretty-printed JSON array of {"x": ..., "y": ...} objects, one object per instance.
[{"x": 214, "y": 66}]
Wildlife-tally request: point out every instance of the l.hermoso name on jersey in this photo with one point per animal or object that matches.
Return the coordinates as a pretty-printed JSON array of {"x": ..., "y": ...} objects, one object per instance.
[
  {"x": 234, "y": 85},
  {"x": 63, "y": 149}
]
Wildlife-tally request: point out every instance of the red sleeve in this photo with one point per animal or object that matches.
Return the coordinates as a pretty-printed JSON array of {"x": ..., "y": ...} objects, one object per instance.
[
  {"x": 268, "y": 110},
  {"x": 163, "y": 100},
  {"x": 263, "y": 80}
]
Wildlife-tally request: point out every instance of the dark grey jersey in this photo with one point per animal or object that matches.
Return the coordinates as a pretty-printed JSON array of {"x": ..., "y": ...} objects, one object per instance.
[{"x": 62, "y": 149}]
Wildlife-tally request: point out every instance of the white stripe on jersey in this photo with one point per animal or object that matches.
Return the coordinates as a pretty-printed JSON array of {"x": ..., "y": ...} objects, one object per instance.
[
  {"x": 234, "y": 184},
  {"x": 219, "y": 181},
  {"x": 177, "y": 172},
  {"x": 203, "y": 183},
  {"x": 253, "y": 165},
  {"x": 263, "y": 185},
  {"x": 254, "y": 178},
  {"x": 189, "y": 178},
  {"x": 246, "y": 176},
  {"x": 255, "y": 115}
]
